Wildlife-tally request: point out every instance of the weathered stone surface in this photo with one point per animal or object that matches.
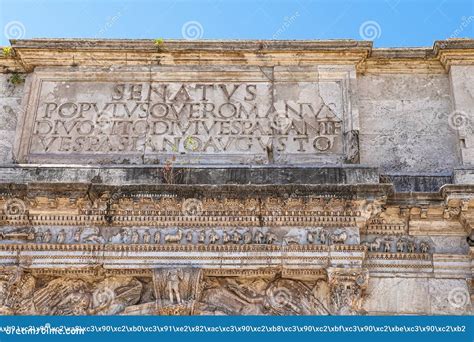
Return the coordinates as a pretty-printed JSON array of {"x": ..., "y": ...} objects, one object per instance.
[
  {"x": 397, "y": 296},
  {"x": 192, "y": 175},
  {"x": 10, "y": 110},
  {"x": 404, "y": 123},
  {"x": 462, "y": 117},
  {"x": 449, "y": 297},
  {"x": 407, "y": 296},
  {"x": 464, "y": 175},
  {"x": 417, "y": 183}
]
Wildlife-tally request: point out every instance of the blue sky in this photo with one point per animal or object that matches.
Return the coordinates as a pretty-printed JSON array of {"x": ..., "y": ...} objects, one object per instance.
[{"x": 389, "y": 23}]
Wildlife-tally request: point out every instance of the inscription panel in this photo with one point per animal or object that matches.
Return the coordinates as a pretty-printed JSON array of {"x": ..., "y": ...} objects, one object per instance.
[{"x": 189, "y": 115}]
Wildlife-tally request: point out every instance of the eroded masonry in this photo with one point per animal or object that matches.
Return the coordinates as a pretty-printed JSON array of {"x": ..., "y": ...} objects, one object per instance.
[{"x": 236, "y": 178}]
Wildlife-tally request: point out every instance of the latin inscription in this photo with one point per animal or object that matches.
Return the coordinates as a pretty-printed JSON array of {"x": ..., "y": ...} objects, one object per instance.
[{"x": 183, "y": 118}]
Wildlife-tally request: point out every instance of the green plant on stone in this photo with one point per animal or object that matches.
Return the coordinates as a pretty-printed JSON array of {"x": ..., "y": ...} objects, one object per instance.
[
  {"x": 16, "y": 79},
  {"x": 191, "y": 144},
  {"x": 159, "y": 42},
  {"x": 7, "y": 51}
]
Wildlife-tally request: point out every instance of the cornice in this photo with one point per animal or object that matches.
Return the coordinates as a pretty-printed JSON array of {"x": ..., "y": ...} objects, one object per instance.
[
  {"x": 10, "y": 63},
  {"x": 454, "y": 52},
  {"x": 90, "y": 52},
  {"x": 27, "y": 54},
  {"x": 193, "y": 45}
]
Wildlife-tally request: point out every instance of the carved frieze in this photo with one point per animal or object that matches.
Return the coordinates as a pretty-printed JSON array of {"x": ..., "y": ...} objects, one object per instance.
[{"x": 169, "y": 254}]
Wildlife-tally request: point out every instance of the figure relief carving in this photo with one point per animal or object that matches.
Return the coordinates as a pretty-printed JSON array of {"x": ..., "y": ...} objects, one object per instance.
[
  {"x": 61, "y": 238},
  {"x": 226, "y": 237},
  {"x": 77, "y": 235},
  {"x": 157, "y": 237},
  {"x": 146, "y": 237},
  {"x": 177, "y": 290},
  {"x": 291, "y": 240},
  {"x": 202, "y": 236},
  {"x": 47, "y": 236},
  {"x": 346, "y": 290},
  {"x": 174, "y": 277},
  {"x": 270, "y": 238},
  {"x": 264, "y": 296},
  {"x": 189, "y": 236},
  {"x": 452, "y": 212},
  {"x": 135, "y": 237},
  {"x": 94, "y": 236},
  {"x": 248, "y": 237},
  {"x": 403, "y": 244},
  {"x": 21, "y": 293},
  {"x": 174, "y": 238},
  {"x": 259, "y": 237},
  {"x": 323, "y": 236},
  {"x": 213, "y": 237},
  {"x": 236, "y": 237},
  {"x": 338, "y": 237},
  {"x": 374, "y": 246},
  {"x": 424, "y": 247},
  {"x": 16, "y": 289}
]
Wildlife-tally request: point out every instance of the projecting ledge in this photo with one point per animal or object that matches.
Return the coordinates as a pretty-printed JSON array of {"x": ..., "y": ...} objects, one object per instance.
[{"x": 180, "y": 174}]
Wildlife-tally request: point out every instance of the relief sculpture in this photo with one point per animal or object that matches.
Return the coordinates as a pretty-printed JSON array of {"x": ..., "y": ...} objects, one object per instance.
[
  {"x": 263, "y": 296},
  {"x": 21, "y": 293},
  {"x": 177, "y": 290}
]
